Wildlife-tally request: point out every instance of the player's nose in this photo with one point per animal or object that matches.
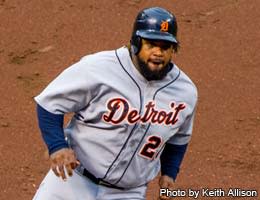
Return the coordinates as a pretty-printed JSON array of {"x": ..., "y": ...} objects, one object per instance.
[{"x": 157, "y": 51}]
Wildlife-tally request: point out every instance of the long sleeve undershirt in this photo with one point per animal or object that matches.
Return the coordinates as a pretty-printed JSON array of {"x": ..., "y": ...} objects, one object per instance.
[
  {"x": 51, "y": 126},
  {"x": 171, "y": 159}
]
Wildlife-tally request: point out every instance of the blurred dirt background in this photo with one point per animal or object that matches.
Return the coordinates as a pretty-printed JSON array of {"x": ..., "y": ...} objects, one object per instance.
[{"x": 220, "y": 42}]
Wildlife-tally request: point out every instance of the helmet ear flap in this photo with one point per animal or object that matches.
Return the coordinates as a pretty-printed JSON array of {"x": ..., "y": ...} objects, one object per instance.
[{"x": 136, "y": 43}]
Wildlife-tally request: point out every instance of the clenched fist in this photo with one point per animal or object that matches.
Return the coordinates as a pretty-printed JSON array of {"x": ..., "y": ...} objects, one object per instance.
[
  {"x": 63, "y": 160},
  {"x": 165, "y": 182}
]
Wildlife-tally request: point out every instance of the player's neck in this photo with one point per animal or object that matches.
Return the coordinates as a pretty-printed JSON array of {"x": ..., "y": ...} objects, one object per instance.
[
  {"x": 133, "y": 57},
  {"x": 134, "y": 60}
]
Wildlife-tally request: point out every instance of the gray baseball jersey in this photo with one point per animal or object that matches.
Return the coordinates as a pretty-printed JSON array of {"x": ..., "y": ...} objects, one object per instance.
[{"x": 122, "y": 121}]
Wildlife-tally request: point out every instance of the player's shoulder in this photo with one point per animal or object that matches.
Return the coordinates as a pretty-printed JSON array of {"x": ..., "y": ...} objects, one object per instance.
[
  {"x": 187, "y": 84},
  {"x": 101, "y": 56}
]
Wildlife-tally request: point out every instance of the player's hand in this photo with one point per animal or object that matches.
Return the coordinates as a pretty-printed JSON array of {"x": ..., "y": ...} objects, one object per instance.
[
  {"x": 165, "y": 182},
  {"x": 61, "y": 160}
]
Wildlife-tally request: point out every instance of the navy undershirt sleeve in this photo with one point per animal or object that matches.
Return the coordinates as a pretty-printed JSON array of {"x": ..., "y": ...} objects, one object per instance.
[
  {"x": 51, "y": 126},
  {"x": 171, "y": 159}
]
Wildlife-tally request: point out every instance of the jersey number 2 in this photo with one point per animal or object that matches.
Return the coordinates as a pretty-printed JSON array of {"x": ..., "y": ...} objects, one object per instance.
[{"x": 149, "y": 149}]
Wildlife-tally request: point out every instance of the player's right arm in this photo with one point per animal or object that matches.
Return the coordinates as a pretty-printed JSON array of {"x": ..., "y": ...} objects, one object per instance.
[
  {"x": 67, "y": 93},
  {"x": 61, "y": 156}
]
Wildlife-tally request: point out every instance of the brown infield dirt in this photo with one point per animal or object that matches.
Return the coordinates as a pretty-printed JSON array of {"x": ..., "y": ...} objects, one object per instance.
[{"x": 220, "y": 42}]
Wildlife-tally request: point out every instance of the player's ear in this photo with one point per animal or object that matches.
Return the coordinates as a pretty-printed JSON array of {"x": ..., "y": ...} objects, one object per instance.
[
  {"x": 136, "y": 43},
  {"x": 176, "y": 47}
]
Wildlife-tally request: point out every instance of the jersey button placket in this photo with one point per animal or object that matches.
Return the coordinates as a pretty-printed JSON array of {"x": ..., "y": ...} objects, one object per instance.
[{"x": 143, "y": 126}]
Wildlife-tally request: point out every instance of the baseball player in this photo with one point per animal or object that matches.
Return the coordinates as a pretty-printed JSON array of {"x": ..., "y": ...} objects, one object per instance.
[{"x": 133, "y": 116}]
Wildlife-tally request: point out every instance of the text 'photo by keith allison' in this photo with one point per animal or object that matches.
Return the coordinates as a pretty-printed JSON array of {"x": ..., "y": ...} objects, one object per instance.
[{"x": 206, "y": 192}]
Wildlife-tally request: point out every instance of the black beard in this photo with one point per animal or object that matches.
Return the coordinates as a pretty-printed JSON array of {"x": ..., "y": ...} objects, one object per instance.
[{"x": 152, "y": 75}]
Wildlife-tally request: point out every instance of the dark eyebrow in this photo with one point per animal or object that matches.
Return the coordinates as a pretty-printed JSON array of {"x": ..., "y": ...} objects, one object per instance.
[{"x": 163, "y": 45}]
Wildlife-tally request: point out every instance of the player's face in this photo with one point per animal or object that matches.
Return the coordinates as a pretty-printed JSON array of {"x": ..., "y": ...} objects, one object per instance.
[{"x": 153, "y": 58}]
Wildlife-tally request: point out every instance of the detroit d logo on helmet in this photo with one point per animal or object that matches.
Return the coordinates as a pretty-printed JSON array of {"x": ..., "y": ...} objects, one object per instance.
[{"x": 164, "y": 26}]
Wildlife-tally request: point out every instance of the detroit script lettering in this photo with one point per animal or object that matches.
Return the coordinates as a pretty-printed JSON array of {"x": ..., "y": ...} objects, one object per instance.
[{"x": 120, "y": 107}]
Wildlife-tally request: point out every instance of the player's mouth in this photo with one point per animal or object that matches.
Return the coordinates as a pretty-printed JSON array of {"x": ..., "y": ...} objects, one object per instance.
[{"x": 156, "y": 62}]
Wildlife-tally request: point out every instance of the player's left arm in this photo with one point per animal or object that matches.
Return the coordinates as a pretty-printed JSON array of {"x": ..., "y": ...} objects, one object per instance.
[
  {"x": 171, "y": 160},
  {"x": 174, "y": 152}
]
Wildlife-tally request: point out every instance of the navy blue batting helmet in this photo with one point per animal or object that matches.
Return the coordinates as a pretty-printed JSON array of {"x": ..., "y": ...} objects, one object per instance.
[{"x": 154, "y": 23}]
